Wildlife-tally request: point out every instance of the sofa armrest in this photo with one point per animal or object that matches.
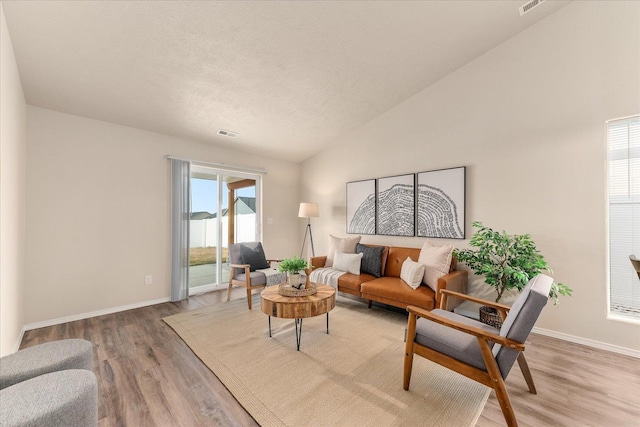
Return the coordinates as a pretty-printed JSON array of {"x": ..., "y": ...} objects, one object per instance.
[
  {"x": 318, "y": 261},
  {"x": 455, "y": 281}
]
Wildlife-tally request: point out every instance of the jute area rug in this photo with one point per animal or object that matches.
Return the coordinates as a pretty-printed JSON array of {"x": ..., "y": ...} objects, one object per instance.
[{"x": 349, "y": 377}]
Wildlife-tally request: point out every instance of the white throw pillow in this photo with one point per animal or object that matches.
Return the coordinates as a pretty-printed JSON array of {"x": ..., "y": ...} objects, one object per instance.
[
  {"x": 347, "y": 262},
  {"x": 412, "y": 272},
  {"x": 437, "y": 261},
  {"x": 345, "y": 245}
]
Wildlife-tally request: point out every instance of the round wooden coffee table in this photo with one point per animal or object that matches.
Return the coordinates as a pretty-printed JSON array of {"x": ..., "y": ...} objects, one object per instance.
[{"x": 298, "y": 308}]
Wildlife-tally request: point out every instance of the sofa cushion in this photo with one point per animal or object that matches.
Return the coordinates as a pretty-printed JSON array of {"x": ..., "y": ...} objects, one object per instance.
[
  {"x": 437, "y": 262},
  {"x": 371, "y": 259},
  {"x": 412, "y": 273},
  {"x": 393, "y": 290},
  {"x": 353, "y": 282},
  {"x": 346, "y": 245},
  {"x": 347, "y": 262},
  {"x": 396, "y": 257}
]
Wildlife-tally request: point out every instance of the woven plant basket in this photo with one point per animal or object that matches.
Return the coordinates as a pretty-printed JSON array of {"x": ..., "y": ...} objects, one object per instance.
[{"x": 490, "y": 316}]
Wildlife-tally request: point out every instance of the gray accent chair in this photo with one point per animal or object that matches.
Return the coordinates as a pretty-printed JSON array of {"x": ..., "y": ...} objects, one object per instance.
[
  {"x": 243, "y": 273},
  {"x": 45, "y": 358},
  {"x": 49, "y": 384},
  {"x": 65, "y": 398},
  {"x": 636, "y": 264},
  {"x": 476, "y": 350}
]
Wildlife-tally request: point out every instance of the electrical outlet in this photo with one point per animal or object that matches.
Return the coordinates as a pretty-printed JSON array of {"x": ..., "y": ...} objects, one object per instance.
[{"x": 148, "y": 279}]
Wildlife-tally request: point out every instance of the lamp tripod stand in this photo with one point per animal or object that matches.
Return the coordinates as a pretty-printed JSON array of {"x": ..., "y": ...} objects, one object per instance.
[
  {"x": 308, "y": 231},
  {"x": 308, "y": 210}
]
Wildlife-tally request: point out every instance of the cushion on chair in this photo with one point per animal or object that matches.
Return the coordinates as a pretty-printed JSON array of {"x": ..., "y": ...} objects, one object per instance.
[
  {"x": 44, "y": 358},
  {"x": 253, "y": 254},
  {"x": 257, "y": 278},
  {"x": 65, "y": 398},
  {"x": 521, "y": 319},
  {"x": 235, "y": 257},
  {"x": 451, "y": 342}
]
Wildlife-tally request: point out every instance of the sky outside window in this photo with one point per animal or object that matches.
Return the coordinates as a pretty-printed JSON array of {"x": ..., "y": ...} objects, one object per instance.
[{"x": 204, "y": 195}]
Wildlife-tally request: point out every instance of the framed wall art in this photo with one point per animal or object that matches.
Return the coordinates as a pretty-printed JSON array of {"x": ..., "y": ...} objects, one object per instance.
[
  {"x": 395, "y": 205},
  {"x": 441, "y": 203},
  {"x": 361, "y": 207}
]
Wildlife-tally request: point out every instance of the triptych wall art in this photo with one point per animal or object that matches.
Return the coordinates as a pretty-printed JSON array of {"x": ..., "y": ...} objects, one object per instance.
[{"x": 426, "y": 204}]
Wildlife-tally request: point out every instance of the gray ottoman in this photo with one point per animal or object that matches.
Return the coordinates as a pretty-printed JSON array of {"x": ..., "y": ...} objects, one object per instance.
[
  {"x": 66, "y": 398},
  {"x": 44, "y": 358}
]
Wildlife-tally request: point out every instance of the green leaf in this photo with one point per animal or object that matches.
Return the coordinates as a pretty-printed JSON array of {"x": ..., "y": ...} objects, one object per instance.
[{"x": 506, "y": 261}]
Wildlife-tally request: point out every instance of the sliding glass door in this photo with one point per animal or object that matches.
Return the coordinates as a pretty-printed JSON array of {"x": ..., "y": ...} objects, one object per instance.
[{"x": 225, "y": 209}]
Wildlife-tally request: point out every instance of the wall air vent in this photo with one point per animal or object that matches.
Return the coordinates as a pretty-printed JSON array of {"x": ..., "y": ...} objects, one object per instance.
[
  {"x": 529, "y": 5},
  {"x": 227, "y": 133}
]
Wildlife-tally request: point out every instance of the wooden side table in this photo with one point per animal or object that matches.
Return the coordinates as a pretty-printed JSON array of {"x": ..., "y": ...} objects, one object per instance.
[{"x": 298, "y": 308}]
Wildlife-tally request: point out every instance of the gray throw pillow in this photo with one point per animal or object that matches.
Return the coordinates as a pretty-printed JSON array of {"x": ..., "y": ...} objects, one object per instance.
[
  {"x": 371, "y": 260},
  {"x": 254, "y": 257}
]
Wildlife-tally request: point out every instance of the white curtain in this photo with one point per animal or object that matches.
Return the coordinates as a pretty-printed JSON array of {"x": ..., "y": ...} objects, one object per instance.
[{"x": 180, "y": 216}]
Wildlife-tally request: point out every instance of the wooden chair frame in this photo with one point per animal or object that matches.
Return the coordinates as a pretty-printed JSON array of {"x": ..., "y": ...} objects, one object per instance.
[
  {"x": 636, "y": 264},
  {"x": 492, "y": 376},
  {"x": 244, "y": 283}
]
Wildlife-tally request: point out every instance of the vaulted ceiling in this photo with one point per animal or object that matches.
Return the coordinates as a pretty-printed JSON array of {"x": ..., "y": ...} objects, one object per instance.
[{"x": 288, "y": 76}]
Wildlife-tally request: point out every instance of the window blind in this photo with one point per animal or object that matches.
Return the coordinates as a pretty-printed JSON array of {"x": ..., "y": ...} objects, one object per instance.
[{"x": 623, "y": 139}]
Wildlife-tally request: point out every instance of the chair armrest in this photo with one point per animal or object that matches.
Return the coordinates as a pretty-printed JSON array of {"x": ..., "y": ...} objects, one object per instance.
[
  {"x": 247, "y": 271},
  {"x": 273, "y": 260},
  {"x": 239, "y": 265},
  {"x": 468, "y": 329},
  {"x": 318, "y": 261},
  {"x": 454, "y": 281},
  {"x": 476, "y": 300}
]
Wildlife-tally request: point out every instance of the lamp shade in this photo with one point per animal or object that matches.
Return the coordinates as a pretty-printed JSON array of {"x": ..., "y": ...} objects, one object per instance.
[{"x": 309, "y": 210}]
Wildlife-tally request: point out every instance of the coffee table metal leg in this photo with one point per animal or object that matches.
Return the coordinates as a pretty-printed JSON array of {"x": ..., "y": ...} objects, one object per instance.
[
  {"x": 327, "y": 322},
  {"x": 298, "y": 332},
  {"x": 269, "y": 326}
]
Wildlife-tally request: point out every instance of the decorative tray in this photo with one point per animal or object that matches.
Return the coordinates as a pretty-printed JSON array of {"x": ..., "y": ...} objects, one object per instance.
[{"x": 288, "y": 291}]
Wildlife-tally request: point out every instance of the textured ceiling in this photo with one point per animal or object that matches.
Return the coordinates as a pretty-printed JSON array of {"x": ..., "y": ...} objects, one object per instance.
[{"x": 288, "y": 77}]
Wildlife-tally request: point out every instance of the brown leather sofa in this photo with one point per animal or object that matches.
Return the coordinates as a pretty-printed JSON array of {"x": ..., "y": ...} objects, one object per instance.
[{"x": 389, "y": 289}]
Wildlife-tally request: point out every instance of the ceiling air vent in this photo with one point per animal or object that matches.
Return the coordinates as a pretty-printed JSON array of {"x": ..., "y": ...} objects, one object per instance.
[
  {"x": 529, "y": 5},
  {"x": 227, "y": 133}
]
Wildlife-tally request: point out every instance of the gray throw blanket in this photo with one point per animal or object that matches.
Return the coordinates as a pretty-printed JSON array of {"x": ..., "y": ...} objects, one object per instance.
[
  {"x": 274, "y": 277},
  {"x": 327, "y": 276}
]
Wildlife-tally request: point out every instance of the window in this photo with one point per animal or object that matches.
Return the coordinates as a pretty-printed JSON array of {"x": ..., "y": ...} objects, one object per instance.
[
  {"x": 224, "y": 210},
  {"x": 623, "y": 139}
]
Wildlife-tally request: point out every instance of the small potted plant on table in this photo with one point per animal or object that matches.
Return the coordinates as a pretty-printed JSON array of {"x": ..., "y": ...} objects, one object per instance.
[
  {"x": 293, "y": 266},
  {"x": 506, "y": 262}
]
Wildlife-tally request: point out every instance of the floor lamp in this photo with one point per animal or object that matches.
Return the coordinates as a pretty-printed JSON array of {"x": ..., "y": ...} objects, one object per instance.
[{"x": 308, "y": 210}]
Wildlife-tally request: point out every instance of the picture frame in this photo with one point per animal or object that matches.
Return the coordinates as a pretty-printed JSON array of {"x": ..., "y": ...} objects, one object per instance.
[
  {"x": 440, "y": 200},
  {"x": 395, "y": 205},
  {"x": 361, "y": 207}
]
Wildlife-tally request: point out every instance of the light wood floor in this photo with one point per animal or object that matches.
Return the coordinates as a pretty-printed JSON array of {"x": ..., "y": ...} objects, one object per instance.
[{"x": 149, "y": 377}]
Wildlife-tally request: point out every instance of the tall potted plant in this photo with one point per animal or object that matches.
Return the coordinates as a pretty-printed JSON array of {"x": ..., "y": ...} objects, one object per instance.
[{"x": 506, "y": 262}]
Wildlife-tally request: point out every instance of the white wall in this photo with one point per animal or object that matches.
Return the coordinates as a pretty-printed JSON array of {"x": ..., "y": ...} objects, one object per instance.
[
  {"x": 527, "y": 119},
  {"x": 13, "y": 145},
  {"x": 90, "y": 175}
]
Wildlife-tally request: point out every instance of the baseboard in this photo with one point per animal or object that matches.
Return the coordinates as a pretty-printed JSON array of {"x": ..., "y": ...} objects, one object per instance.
[
  {"x": 88, "y": 315},
  {"x": 588, "y": 342}
]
